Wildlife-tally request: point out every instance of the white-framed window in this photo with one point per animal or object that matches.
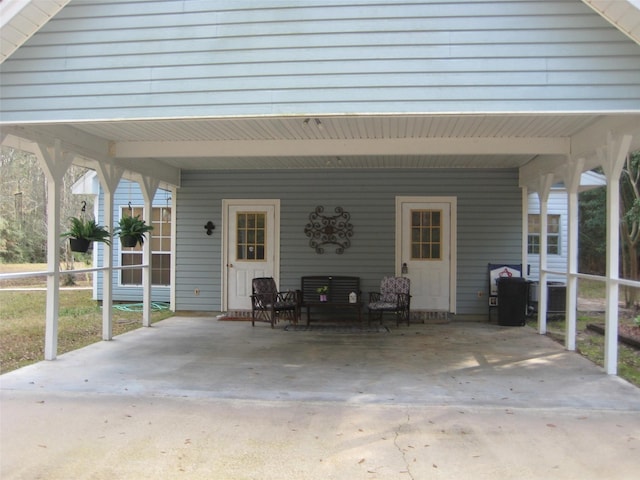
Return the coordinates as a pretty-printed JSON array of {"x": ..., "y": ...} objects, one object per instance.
[
  {"x": 160, "y": 238},
  {"x": 553, "y": 234}
]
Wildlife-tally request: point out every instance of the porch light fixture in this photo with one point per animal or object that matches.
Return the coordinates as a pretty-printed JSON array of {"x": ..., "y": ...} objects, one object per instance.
[{"x": 209, "y": 227}]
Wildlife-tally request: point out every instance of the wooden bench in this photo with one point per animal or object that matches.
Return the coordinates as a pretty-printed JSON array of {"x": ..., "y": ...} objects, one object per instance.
[{"x": 340, "y": 287}]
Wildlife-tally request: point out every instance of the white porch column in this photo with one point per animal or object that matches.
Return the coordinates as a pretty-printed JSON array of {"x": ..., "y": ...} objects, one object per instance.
[
  {"x": 612, "y": 158},
  {"x": 525, "y": 230},
  {"x": 174, "y": 216},
  {"x": 572, "y": 176},
  {"x": 109, "y": 176},
  {"x": 54, "y": 163},
  {"x": 546, "y": 181},
  {"x": 149, "y": 187}
]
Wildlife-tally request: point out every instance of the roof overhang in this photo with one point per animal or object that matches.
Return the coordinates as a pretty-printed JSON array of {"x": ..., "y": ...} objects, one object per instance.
[
  {"x": 622, "y": 14},
  {"x": 534, "y": 143},
  {"x": 21, "y": 19}
]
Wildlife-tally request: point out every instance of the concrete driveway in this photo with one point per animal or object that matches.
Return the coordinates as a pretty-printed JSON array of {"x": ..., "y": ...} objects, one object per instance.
[{"x": 196, "y": 398}]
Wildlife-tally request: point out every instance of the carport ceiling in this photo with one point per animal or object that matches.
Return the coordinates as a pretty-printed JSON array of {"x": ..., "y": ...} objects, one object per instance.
[{"x": 388, "y": 141}]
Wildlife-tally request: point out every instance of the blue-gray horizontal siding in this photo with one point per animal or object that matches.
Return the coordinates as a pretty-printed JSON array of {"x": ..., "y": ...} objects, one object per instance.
[
  {"x": 121, "y": 59},
  {"x": 126, "y": 192},
  {"x": 489, "y": 224}
]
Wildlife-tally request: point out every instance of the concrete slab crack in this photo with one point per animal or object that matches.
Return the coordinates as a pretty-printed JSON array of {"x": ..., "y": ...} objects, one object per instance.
[{"x": 402, "y": 451}]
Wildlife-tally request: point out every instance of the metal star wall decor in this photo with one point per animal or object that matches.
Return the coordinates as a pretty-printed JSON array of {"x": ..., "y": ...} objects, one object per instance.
[{"x": 329, "y": 230}]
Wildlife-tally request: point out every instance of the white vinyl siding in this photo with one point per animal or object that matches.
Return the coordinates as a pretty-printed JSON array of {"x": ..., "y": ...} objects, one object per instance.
[
  {"x": 121, "y": 59},
  {"x": 556, "y": 205}
]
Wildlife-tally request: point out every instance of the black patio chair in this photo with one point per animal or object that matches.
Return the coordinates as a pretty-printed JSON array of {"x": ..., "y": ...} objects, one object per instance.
[
  {"x": 269, "y": 305},
  {"x": 394, "y": 297}
]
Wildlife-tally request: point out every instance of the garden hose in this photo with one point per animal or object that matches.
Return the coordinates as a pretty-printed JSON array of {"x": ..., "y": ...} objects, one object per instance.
[{"x": 138, "y": 307}]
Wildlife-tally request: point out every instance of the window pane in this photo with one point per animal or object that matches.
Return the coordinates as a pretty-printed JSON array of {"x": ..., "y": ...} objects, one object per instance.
[
  {"x": 553, "y": 234},
  {"x": 250, "y": 235},
  {"x": 426, "y": 234},
  {"x": 554, "y": 224},
  {"x": 160, "y": 241},
  {"x": 131, "y": 259},
  {"x": 534, "y": 223},
  {"x": 161, "y": 269}
]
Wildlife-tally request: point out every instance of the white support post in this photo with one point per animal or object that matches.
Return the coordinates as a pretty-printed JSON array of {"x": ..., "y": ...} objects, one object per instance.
[
  {"x": 54, "y": 163},
  {"x": 525, "y": 230},
  {"x": 149, "y": 187},
  {"x": 109, "y": 176},
  {"x": 174, "y": 216},
  {"x": 612, "y": 158},
  {"x": 546, "y": 182},
  {"x": 572, "y": 183}
]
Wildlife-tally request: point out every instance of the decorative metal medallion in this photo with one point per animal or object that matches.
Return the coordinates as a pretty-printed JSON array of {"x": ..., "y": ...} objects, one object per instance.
[{"x": 334, "y": 230}]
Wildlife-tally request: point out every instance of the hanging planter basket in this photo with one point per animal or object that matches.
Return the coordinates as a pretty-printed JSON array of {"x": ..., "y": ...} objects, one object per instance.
[
  {"x": 128, "y": 241},
  {"x": 79, "y": 244}
]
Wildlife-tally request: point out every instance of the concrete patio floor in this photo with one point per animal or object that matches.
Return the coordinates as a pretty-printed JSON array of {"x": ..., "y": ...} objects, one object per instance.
[{"x": 197, "y": 398}]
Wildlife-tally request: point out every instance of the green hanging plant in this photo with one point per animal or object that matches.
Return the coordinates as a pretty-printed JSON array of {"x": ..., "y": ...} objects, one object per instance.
[
  {"x": 84, "y": 231},
  {"x": 131, "y": 230}
]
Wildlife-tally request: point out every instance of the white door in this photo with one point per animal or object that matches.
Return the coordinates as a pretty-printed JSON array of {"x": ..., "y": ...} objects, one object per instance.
[
  {"x": 252, "y": 248},
  {"x": 426, "y": 249}
]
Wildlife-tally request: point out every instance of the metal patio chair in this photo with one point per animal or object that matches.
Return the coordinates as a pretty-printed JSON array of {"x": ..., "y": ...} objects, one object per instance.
[
  {"x": 269, "y": 305},
  {"x": 394, "y": 297}
]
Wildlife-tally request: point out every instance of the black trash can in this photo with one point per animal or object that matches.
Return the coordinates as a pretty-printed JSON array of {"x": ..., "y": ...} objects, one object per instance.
[{"x": 513, "y": 295}]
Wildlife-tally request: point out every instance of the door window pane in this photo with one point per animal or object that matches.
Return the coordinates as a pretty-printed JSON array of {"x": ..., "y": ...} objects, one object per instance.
[
  {"x": 250, "y": 236},
  {"x": 426, "y": 234}
]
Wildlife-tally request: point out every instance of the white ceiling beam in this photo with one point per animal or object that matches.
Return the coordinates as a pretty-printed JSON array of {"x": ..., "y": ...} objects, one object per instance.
[
  {"x": 530, "y": 174},
  {"x": 72, "y": 139},
  {"x": 394, "y": 146},
  {"x": 89, "y": 150},
  {"x": 587, "y": 141}
]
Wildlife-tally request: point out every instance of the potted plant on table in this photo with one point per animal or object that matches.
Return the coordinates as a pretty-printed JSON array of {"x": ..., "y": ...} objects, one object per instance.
[
  {"x": 82, "y": 232},
  {"x": 131, "y": 230},
  {"x": 323, "y": 291}
]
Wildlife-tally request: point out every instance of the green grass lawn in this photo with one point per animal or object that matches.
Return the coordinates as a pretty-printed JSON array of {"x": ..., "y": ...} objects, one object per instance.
[
  {"x": 22, "y": 324},
  {"x": 591, "y": 345}
]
